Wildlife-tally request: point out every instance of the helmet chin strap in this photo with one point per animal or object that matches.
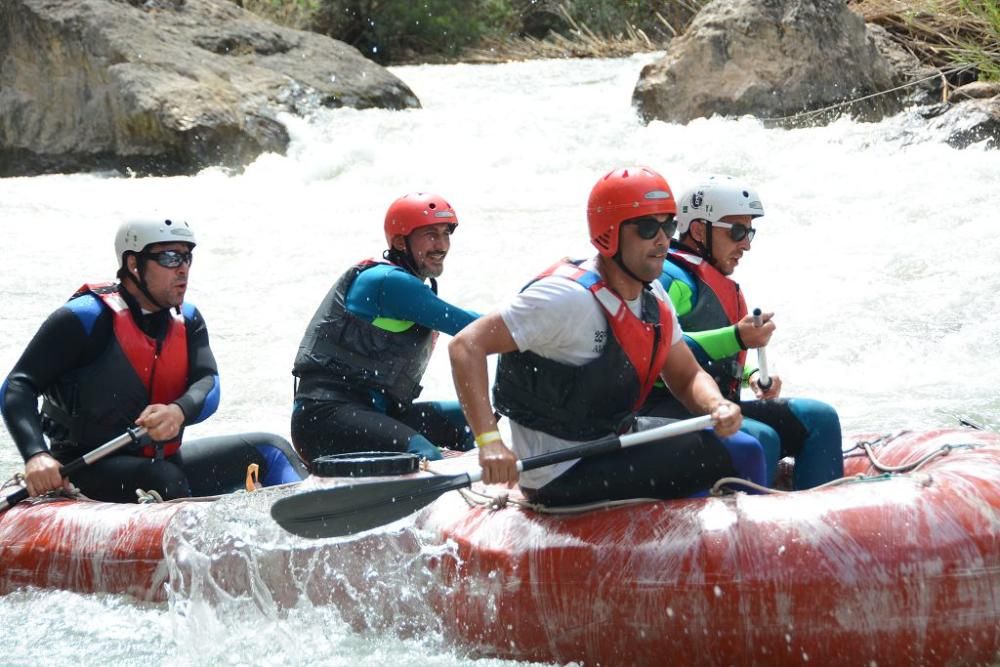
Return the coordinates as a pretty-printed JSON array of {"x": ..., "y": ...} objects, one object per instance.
[
  {"x": 141, "y": 284},
  {"x": 705, "y": 249},
  {"x": 621, "y": 264}
]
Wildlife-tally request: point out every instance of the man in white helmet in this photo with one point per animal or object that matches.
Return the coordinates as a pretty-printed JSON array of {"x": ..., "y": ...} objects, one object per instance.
[
  {"x": 715, "y": 225},
  {"x": 124, "y": 353}
]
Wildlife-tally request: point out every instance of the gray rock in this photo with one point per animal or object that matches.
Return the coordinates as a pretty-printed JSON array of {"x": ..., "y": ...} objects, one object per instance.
[
  {"x": 922, "y": 84},
  {"x": 968, "y": 122},
  {"x": 977, "y": 90},
  {"x": 773, "y": 59},
  {"x": 164, "y": 86}
]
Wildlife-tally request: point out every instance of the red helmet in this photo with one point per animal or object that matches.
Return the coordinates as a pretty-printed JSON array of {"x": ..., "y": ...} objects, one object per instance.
[
  {"x": 625, "y": 193},
  {"x": 417, "y": 209}
]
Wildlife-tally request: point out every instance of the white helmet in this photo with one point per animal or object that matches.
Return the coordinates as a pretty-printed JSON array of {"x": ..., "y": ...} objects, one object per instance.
[
  {"x": 715, "y": 198},
  {"x": 134, "y": 236}
]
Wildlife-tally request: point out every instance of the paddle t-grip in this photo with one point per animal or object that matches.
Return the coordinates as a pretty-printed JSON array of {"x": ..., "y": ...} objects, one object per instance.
[
  {"x": 131, "y": 436},
  {"x": 765, "y": 380}
]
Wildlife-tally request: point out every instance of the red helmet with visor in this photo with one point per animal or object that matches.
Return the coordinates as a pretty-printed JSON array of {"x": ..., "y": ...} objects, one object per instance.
[
  {"x": 623, "y": 194},
  {"x": 415, "y": 210}
]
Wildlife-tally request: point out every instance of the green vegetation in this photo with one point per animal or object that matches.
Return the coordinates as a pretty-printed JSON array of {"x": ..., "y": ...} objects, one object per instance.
[
  {"x": 400, "y": 30},
  {"x": 959, "y": 37},
  {"x": 984, "y": 55},
  {"x": 394, "y": 31}
]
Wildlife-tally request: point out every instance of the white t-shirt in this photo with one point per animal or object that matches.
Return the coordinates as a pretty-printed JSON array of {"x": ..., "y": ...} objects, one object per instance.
[{"x": 560, "y": 319}]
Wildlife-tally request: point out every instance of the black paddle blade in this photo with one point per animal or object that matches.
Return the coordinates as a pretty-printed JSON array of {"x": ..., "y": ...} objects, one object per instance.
[
  {"x": 13, "y": 499},
  {"x": 345, "y": 510}
]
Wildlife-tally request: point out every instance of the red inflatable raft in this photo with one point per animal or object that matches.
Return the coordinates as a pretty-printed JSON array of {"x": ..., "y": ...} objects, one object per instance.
[
  {"x": 85, "y": 546},
  {"x": 889, "y": 571},
  {"x": 884, "y": 570}
]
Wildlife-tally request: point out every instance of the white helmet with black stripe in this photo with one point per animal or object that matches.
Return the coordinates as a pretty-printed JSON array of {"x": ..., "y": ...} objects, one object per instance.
[
  {"x": 136, "y": 235},
  {"x": 714, "y": 198}
]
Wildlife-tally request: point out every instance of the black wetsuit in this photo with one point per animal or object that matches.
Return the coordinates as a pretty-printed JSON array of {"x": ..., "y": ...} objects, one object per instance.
[{"x": 70, "y": 352}]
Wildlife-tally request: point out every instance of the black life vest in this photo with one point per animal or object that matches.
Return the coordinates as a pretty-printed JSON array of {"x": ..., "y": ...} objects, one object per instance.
[
  {"x": 341, "y": 352},
  {"x": 603, "y": 395}
]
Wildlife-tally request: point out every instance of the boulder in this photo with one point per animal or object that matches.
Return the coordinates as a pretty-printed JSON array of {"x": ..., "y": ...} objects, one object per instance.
[
  {"x": 164, "y": 86},
  {"x": 921, "y": 84},
  {"x": 773, "y": 59},
  {"x": 977, "y": 90},
  {"x": 972, "y": 121}
]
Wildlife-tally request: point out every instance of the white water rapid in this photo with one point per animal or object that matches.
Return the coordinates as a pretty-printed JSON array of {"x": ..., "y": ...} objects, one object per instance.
[{"x": 878, "y": 252}]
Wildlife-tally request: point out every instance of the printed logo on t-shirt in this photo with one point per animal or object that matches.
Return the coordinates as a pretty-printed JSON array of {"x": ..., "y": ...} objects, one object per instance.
[{"x": 600, "y": 338}]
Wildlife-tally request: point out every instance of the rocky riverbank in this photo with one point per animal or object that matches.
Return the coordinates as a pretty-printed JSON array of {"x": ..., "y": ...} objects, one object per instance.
[
  {"x": 164, "y": 86},
  {"x": 174, "y": 86}
]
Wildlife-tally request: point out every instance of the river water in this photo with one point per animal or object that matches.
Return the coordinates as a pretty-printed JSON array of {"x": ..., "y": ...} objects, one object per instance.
[{"x": 878, "y": 253}]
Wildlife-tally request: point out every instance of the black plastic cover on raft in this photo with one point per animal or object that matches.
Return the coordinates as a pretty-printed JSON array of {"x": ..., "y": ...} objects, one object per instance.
[{"x": 365, "y": 464}]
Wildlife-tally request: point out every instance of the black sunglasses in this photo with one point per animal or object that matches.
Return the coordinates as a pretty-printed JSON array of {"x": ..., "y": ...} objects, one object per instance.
[
  {"x": 738, "y": 232},
  {"x": 169, "y": 259},
  {"x": 648, "y": 226}
]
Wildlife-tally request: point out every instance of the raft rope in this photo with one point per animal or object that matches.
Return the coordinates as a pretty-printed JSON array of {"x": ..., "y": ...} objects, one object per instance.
[
  {"x": 731, "y": 485},
  {"x": 16, "y": 480},
  {"x": 867, "y": 446},
  {"x": 861, "y": 446},
  {"x": 143, "y": 497},
  {"x": 148, "y": 497},
  {"x": 943, "y": 450},
  {"x": 153, "y": 497},
  {"x": 498, "y": 502}
]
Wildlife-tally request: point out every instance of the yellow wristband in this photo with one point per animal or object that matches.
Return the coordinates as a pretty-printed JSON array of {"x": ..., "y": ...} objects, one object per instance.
[{"x": 484, "y": 439}]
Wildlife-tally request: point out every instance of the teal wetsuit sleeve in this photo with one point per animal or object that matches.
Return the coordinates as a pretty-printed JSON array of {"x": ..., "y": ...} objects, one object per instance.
[{"x": 390, "y": 292}]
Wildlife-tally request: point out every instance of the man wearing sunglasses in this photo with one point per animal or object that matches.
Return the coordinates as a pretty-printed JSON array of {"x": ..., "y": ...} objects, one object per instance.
[
  {"x": 124, "y": 353},
  {"x": 715, "y": 223},
  {"x": 363, "y": 354},
  {"x": 580, "y": 347}
]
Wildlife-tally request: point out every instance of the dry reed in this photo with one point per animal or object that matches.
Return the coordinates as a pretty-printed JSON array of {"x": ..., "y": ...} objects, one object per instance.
[
  {"x": 581, "y": 42},
  {"x": 947, "y": 34}
]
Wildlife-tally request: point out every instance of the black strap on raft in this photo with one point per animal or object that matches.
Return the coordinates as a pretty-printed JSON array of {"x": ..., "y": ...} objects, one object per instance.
[
  {"x": 365, "y": 464},
  {"x": 965, "y": 421}
]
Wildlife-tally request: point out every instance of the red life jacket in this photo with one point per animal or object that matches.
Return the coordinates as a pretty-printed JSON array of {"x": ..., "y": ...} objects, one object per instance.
[
  {"x": 720, "y": 303},
  {"x": 163, "y": 368},
  {"x": 645, "y": 351}
]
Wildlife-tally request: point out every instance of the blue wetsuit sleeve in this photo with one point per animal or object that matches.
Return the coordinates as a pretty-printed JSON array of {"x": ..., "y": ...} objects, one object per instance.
[
  {"x": 71, "y": 337},
  {"x": 393, "y": 293},
  {"x": 201, "y": 399}
]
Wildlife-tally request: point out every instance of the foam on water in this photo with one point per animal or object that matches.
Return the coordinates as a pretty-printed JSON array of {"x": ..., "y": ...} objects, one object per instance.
[{"x": 877, "y": 253}]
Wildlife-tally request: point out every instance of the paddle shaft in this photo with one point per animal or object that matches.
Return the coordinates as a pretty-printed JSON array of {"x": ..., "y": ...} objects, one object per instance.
[
  {"x": 607, "y": 444},
  {"x": 345, "y": 510},
  {"x": 130, "y": 436},
  {"x": 765, "y": 380}
]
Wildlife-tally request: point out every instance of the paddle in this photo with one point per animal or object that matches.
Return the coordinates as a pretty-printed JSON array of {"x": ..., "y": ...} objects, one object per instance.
[
  {"x": 130, "y": 436},
  {"x": 345, "y": 510},
  {"x": 764, "y": 381}
]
